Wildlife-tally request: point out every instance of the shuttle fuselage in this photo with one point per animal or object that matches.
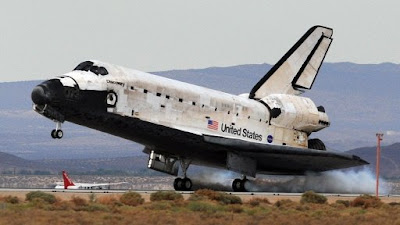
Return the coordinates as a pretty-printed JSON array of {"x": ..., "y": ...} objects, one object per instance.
[{"x": 264, "y": 131}]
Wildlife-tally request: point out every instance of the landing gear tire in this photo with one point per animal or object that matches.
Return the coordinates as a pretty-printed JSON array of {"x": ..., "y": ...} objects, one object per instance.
[
  {"x": 187, "y": 184},
  {"x": 59, "y": 134},
  {"x": 178, "y": 184},
  {"x": 316, "y": 144},
  {"x": 183, "y": 184},
  {"x": 53, "y": 134},
  {"x": 238, "y": 185}
]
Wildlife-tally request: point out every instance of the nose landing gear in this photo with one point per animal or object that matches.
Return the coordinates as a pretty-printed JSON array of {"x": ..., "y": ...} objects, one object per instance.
[{"x": 57, "y": 133}]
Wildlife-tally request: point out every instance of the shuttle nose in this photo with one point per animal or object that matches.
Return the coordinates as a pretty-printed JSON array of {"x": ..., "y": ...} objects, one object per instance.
[
  {"x": 48, "y": 92},
  {"x": 39, "y": 96}
]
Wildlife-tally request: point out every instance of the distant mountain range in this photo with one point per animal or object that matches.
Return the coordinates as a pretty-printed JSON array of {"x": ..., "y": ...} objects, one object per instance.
[
  {"x": 359, "y": 99},
  {"x": 390, "y": 159},
  {"x": 13, "y": 164},
  {"x": 136, "y": 165}
]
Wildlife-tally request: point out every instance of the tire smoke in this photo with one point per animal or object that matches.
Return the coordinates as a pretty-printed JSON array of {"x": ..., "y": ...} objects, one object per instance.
[
  {"x": 338, "y": 181},
  {"x": 218, "y": 180}
]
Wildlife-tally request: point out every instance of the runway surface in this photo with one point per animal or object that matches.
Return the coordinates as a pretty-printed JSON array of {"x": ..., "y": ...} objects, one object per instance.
[{"x": 271, "y": 196}]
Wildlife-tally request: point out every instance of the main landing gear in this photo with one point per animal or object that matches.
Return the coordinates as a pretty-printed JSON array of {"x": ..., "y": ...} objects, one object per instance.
[
  {"x": 238, "y": 185},
  {"x": 57, "y": 133},
  {"x": 183, "y": 184}
]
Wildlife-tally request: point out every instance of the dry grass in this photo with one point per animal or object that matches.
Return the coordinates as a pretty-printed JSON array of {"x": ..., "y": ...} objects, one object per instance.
[
  {"x": 78, "y": 201},
  {"x": 257, "y": 201},
  {"x": 109, "y": 200},
  {"x": 104, "y": 210}
]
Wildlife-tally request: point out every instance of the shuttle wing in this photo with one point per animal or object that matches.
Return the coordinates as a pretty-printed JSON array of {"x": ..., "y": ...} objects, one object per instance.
[
  {"x": 296, "y": 71},
  {"x": 288, "y": 160}
]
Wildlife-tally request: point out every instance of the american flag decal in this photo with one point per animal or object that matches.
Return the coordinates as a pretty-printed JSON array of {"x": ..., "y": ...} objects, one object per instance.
[{"x": 212, "y": 124}]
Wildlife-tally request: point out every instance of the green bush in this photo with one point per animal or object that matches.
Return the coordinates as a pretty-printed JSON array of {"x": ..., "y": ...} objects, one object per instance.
[
  {"x": 229, "y": 199},
  {"x": 366, "y": 201},
  {"x": 11, "y": 199},
  {"x": 343, "y": 202},
  {"x": 131, "y": 199},
  {"x": 221, "y": 197},
  {"x": 49, "y": 198},
  {"x": 312, "y": 197},
  {"x": 166, "y": 195}
]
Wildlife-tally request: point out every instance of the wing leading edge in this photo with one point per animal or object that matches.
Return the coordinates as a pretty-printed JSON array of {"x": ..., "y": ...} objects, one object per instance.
[{"x": 298, "y": 68}]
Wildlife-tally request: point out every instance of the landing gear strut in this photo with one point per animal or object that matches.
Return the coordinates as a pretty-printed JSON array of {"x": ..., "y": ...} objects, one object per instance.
[
  {"x": 238, "y": 185},
  {"x": 183, "y": 184},
  {"x": 57, "y": 133}
]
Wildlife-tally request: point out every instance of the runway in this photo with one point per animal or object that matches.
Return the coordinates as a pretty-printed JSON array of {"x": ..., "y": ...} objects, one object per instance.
[{"x": 245, "y": 196}]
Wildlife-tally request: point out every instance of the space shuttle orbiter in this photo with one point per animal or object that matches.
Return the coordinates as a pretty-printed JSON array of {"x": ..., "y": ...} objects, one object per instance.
[{"x": 265, "y": 131}]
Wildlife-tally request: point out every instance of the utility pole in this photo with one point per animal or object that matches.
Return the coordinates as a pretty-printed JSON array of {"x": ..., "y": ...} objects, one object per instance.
[{"x": 378, "y": 159}]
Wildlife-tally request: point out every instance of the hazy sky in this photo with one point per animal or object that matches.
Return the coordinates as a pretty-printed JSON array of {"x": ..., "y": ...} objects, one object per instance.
[{"x": 43, "y": 38}]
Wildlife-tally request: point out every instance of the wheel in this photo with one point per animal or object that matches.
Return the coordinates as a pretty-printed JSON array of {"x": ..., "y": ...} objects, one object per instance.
[
  {"x": 238, "y": 185},
  {"x": 187, "y": 184},
  {"x": 316, "y": 144},
  {"x": 59, "y": 134},
  {"x": 178, "y": 184},
  {"x": 53, "y": 134}
]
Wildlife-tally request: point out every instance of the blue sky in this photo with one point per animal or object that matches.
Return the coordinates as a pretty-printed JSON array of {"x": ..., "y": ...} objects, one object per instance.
[{"x": 41, "y": 39}]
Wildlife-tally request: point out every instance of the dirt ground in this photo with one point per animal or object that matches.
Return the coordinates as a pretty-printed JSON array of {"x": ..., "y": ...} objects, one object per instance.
[{"x": 244, "y": 196}]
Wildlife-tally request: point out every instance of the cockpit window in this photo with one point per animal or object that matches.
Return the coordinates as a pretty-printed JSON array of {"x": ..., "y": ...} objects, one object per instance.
[
  {"x": 95, "y": 69},
  {"x": 88, "y": 65},
  {"x": 85, "y": 66},
  {"x": 102, "y": 71}
]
